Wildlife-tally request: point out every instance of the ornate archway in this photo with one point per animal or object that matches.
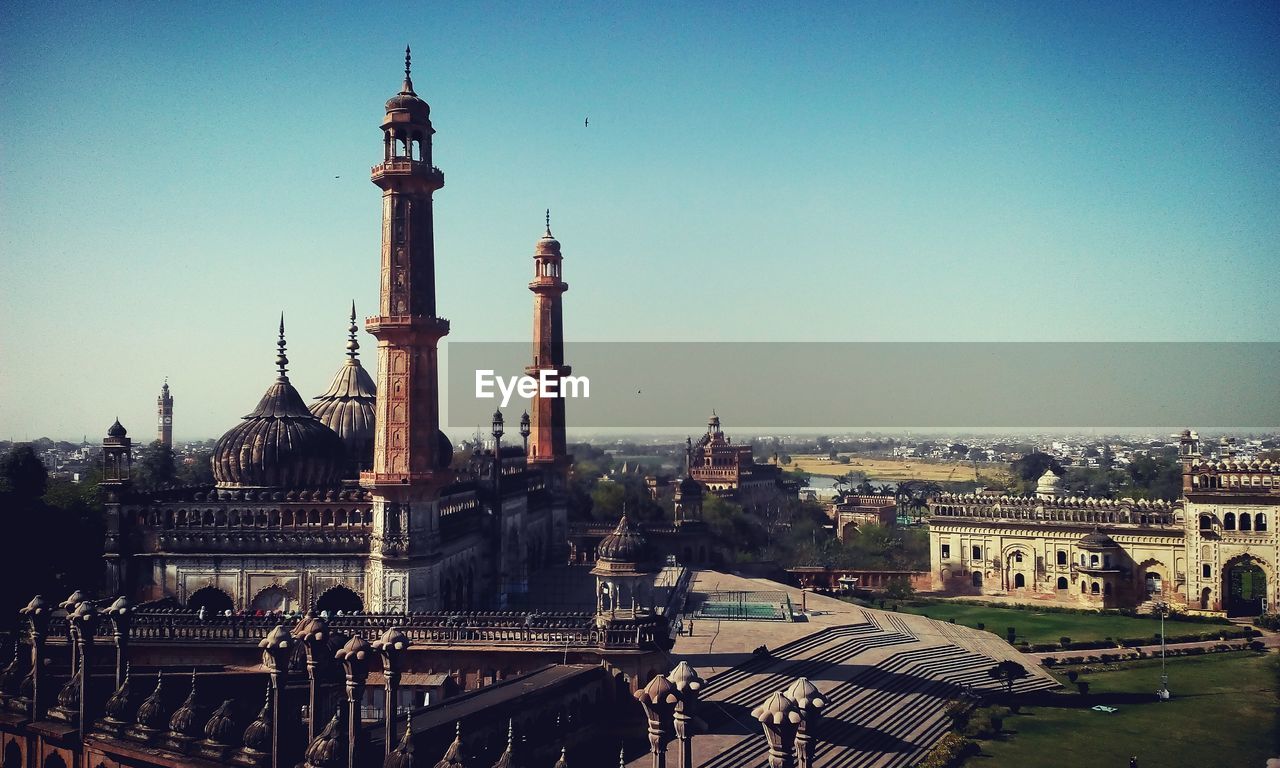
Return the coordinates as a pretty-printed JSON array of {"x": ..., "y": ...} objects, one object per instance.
[
  {"x": 273, "y": 599},
  {"x": 1244, "y": 587},
  {"x": 339, "y": 598},
  {"x": 211, "y": 599}
]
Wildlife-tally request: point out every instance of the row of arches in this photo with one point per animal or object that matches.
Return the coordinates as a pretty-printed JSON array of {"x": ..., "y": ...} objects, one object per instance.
[
  {"x": 1124, "y": 516},
  {"x": 1232, "y": 481},
  {"x": 170, "y": 519},
  {"x": 276, "y": 599}
]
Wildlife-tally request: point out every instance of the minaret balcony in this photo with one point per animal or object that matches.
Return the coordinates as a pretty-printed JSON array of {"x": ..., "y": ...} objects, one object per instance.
[
  {"x": 404, "y": 324},
  {"x": 403, "y": 166}
]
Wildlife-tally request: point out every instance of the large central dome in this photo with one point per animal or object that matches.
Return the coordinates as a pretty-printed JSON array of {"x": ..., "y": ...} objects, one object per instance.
[{"x": 280, "y": 444}]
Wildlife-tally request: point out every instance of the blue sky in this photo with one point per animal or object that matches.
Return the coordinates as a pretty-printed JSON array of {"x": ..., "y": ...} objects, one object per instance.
[{"x": 845, "y": 171}]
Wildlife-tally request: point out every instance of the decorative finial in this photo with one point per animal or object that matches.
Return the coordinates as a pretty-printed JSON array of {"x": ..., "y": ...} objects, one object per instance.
[
  {"x": 511, "y": 732},
  {"x": 352, "y": 344},
  {"x": 548, "y": 221},
  {"x": 622, "y": 757},
  {"x": 407, "y": 88},
  {"x": 407, "y": 61},
  {"x": 281, "y": 359}
]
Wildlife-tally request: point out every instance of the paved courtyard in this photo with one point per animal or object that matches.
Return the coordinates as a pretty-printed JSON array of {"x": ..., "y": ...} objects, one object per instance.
[{"x": 888, "y": 677}]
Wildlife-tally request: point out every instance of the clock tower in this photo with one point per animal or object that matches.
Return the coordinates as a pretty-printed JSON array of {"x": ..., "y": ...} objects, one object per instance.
[{"x": 164, "y": 416}]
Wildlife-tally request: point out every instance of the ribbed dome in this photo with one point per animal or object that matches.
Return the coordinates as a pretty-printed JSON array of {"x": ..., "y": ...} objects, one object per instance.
[
  {"x": 406, "y": 100},
  {"x": 624, "y": 545},
  {"x": 329, "y": 750},
  {"x": 117, "y": 707},
  {"x": 280, "y": 444},
  {"x": 257, "y": 736},
  {"x": 151, "y": 711},
  {"x": 349, "y": 405},
  {"x": 185, "y": 720},
  {"x": 221, "y": 728},
  {"x": 116, "y": 430}
]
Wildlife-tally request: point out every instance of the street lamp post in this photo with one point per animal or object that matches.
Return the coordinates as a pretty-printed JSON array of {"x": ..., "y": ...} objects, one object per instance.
[{"x": 1163, "y": 693}]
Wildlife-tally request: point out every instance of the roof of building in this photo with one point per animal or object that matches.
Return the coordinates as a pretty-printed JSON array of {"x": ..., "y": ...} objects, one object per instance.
[
  {"x": 280, "y": 444},
  {"x": 1097, "y": 540},
  {"x": 406, "y": 100}
]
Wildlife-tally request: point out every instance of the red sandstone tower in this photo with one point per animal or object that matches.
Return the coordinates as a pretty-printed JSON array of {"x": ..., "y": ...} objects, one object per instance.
[
  {"x": 164, "y": 416},
  {"x": 411, "y": 455},
  {"x": 547, "y": 446}
]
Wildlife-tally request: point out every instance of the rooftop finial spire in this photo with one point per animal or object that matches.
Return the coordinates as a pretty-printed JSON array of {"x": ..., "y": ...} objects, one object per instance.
[
  {"x": 408, "y": 81},
  {"x": 548, "y": 221},
  {"x": 352, "y": 344},
  {"x": 281, "y": 360}
]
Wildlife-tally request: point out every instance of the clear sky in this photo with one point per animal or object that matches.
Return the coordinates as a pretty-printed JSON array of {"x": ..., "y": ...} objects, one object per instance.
[{"x": 173, "y": 175}]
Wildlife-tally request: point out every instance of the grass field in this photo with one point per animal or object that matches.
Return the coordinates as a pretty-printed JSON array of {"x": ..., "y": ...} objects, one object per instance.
[
  {"x": 897, "y": 470},
  {"x": 1223, "y": 713},
  {"x": 1037, "y": 627}
]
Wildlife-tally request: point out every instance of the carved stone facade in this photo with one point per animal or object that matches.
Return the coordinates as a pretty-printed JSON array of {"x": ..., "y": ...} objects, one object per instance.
[{"x": 1214, "y": 550}]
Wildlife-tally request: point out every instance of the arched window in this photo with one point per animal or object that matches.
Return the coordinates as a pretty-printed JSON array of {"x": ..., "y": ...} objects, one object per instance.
[
  {"x": 1246, "y": 523},
  {"x": 1019, "y": 581},
  {"x": 977, "y": 553},
  {"x": 341, "y": 598},
  {"x": 1260, "y": 522},
  {"x": 1229, "y": 521},
  {"x": 212, "y": 599},
  {"x": 1206, "y": 523},
  {"x": 1093, "y": 561},
  {"x": 1062, "y": 557},
  {"x": 1062, "y": 582},
  {"x": 1017, "y": 556},
  {"x": 1093, "y": 588}
]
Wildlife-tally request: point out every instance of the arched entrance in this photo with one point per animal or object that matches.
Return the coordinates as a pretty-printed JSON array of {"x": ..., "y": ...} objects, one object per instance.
[
  {"x": 12, "y": 756},
  {"x": 273, "y": 599},
  {"x": 1245, "y": 588},
  {"x": 339, "y": 598},
  {"x": 977, "y": 578},
  {"x": 212, "y": 599},
  {"x": 1019, "y": 581}
]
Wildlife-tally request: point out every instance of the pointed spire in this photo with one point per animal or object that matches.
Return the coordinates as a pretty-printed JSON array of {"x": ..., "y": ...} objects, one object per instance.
[
  {"x": 407, "y": 88},
  {"x": 548, "y": 222},
  {"x": 281, "y": 359},
  {"x": 353, "y": 346}
]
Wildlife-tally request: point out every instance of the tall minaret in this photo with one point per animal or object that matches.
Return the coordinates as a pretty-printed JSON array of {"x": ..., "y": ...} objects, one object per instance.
[
  {"x": 164, "y": 416},
  {"x": 547, "y": 446},
  {"x": 411, "y": 455}
]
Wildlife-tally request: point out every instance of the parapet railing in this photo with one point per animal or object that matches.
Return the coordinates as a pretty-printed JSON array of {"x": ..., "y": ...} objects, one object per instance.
[{"x": 516, "y": 629}]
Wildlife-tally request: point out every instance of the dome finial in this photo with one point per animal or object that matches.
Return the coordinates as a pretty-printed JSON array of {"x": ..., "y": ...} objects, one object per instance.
[
  {"x": 281, "y": 359},
  {"x": 352, "y": 345},
  {"x": 407, "y": 88},
  {"x": 548, "y": 222}
]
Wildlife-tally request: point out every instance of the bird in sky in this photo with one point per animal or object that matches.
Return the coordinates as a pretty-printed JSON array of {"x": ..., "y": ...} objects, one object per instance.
[{"x": 586, "y": 121}]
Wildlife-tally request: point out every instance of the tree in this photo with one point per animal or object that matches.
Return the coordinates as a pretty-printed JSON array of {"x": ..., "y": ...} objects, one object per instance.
[
  {"x": 1028, "y": 469},
  {"x": 1007, "y": 671},
  {"x": 22, "y": 475},
  {"x": 899, "y": 588},
  {"x": 155, "y": 468}
]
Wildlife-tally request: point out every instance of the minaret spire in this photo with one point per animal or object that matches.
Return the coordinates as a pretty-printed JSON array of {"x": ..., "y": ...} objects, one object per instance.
[
  {"x": 353, "y": 346},
  {"x": 548, "y": 222},
  {"x": 281, "y": 359},
  {"x": 408, "y": 81}
]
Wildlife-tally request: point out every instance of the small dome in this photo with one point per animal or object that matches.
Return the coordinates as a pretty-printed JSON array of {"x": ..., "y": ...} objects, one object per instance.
[
  {"x": 689, "y": 487},
  {"x": 329, "y": 750},
  {"x": 547, "y": 244},
  {"x": 117, "y": 430},
  {"x": 624, "y": 545},
  {"x": 117, "y": 707},
  {"x": 1097, "y": 540},
  {"x": 406, "y": 100},
  {"x": 257, "y": 736},
  {"x": 185, "y": 720},
  {"x": 151, "y": 711},
  {"x": 280, "y": 444},
  {"x": 349, "y": 406},
  {"x": 221, "y": 728}
]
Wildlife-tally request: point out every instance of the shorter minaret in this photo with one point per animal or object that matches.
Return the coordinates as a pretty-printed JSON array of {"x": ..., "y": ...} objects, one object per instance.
[
  {"x": 547, "y": 445},
  {"x": 164, "y": 416}
]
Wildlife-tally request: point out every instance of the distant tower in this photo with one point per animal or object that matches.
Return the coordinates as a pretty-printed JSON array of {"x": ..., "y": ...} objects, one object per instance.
[
  {"x": 411, "y": 455},
  {"x": 117, "y": 463},
  {"x": 547, "y": 446},
  {"x": 164, "y": 416}
]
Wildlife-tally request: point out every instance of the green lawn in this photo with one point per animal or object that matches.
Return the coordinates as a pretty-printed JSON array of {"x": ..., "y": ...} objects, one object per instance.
[
  {"x": 1036, "y": 627},
  {"x": 1223, "y": 713}
]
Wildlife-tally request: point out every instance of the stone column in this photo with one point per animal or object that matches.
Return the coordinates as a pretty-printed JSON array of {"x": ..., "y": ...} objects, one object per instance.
[
  {"x": 85, "y": 620},
  {"x": 355, "y": 657},
  {"x": 277, "y": 648},
  {"x": 312, "y": 632},
  {"x": 37, "y": 614},
  {"x": 391, "y": 646},
  {"x": 779, "y": 717},
  {"x": 686, "y": 682},
  {"x": 657, "y": 697},
  {"x": 810, "y": 702},
  {"x": 119, "y": 613}
]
